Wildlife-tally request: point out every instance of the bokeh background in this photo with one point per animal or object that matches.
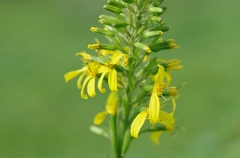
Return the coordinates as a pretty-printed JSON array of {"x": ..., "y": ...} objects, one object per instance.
[{"x": 43, "y": 117}]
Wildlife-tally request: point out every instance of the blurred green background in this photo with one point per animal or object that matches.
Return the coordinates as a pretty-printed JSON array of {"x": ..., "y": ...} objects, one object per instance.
[{"x": 43, "y": 117}]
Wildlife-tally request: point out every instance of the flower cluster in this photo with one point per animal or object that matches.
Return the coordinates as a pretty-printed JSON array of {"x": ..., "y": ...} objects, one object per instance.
[{"x": 139, "y": 81}]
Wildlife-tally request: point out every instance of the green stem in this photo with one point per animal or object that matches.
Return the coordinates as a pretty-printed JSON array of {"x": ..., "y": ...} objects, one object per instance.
[{"x": 113, "y": 135}]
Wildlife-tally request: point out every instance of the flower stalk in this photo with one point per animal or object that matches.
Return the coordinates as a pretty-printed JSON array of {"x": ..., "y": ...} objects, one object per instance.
[{"x": 138, "y": 80}]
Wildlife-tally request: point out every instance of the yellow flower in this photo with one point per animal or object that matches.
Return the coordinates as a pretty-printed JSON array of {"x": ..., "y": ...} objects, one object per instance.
[
  {"x": 154, "y": 105},
  {"x": 86, "y": 57},
  {"x": 72, "y": 74},
  {"x": 111, "y": 107},
  {"x": 109, "y": 68},
  {"x": 138, "y": 123},
  {"x": 90, "y": 80},
  {"x": 91, "y": 71},
  {"x": 164, "y": 118}
]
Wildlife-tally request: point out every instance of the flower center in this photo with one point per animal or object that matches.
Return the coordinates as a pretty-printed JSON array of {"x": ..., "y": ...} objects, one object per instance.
[
  {"x": 110, "y": 66},
  {"x": 159, "y": 88},
  {"x": 93, "y": 68}
]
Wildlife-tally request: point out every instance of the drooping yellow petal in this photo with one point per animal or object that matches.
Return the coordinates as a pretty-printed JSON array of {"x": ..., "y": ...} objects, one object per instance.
[
  {"x": 84, "y": 96},
  {"x": 112, "y": 80},
  {"x": 99, "y": 118},
  {"x": 168, "y": 78},
  {"x": 84, "y": 55},
  {"x": 155, "y": 137},
  {"x": 72, "y": 74},
  {"x": 91, "y": 87},
  {"x": 138, "y": 123},
  {"x": 80, "y": 80},
  {"x": 174, "y": 106},
  {"x": 112, "y": 102},
  {"x": 154, "y": 107},
  {"x": 116, "y": 57},
  {"x": 166, "y": 118},
  {"x": 102, "y": 90},
  {"x": 160, "y": 75}
]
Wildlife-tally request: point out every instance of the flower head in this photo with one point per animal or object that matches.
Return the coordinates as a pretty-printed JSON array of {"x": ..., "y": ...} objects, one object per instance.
[
  {"x": 154, "y": 105},
  {"x": 112, "y": 76}
]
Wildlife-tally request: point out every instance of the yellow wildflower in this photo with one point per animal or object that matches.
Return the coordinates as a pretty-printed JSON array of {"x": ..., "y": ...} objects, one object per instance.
[
  {"x": 154, "y": 105},
  {"x": 109, "y": 68},
  {"x": 164, "y": 118},
  {"x": 91, "y": 71}
]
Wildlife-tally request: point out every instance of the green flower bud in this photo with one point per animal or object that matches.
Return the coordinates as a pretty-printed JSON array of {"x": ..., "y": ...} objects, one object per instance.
[
  {"x": 102, "y": 46},
  {"x": 162, "y": 28},
  {"x": 142, "y": 28},
  {"x": 142, "y": 46},
  {"x": 106, "y": 17},
  {"x": 117, "y": 4},
  {"x": 102, "y": 31},
  {"x": 120, "y": 24},
  {"x": 156, "y": 19},
  {"x": 128, "y": 1},
  {"x": 148, "y": 34},
  {"x": 112, "y": 9},
  {"x": 155, "y": 10},
  {"x": 113, "y": 22},
  {"x": 161, "y": 45}
]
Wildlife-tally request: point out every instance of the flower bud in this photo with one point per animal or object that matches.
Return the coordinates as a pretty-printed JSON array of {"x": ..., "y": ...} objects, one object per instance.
[
  {"x": 128, "y": 1},
  {"x": 142, "y": 46},
  {"x": 117, "y": 4},
  {"x": 156, "y": 19},
  {"x": 162, "y": 28},
  {"x": 102, "y": 46},
  {"x": 141, "y": 29},
  {"x": 112, "y": 9},
  {"x": 161, "y": 45},
  {"x": 102, "y": 31},
  {"x": 148, "y": 34},
  {"x": 155, "y": 10}
]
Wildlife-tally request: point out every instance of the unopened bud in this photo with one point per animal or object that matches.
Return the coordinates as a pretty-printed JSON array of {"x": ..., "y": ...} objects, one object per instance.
[
  {"x": 102, "y": 31},
  {"x": 148, "y": 34},
  {"x": 112, "y": 9},
  {"x": 117, "y": 4},
  {"x": 155, "y": 10}
]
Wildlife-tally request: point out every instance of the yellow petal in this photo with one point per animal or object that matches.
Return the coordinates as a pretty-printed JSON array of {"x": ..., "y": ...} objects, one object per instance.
[
  {"x": 174, "y": 106},
  {"x": 112, "y": 102},
  {"x": 80, "y": 80},
  {"x": 102, "y": 90},
  {"x": 166, "y": 118},
  {"x": 112, "y": 80},
  {"x": 116, "y": 57},
  {"x": 84, "y": 55},
  {"x": 154, "y": 107},
  {"x": 138, "y": 123},
  {"x": 160, "y": 75},
  {"x": 169, "y": 78},
  {"x": 155, "y": 137},
  {"x": 91, "y": 87},
  {"x": 84, "y": 96},
  {"x": 99, "y": 118},
  {"x": 72, "y": 74}
]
